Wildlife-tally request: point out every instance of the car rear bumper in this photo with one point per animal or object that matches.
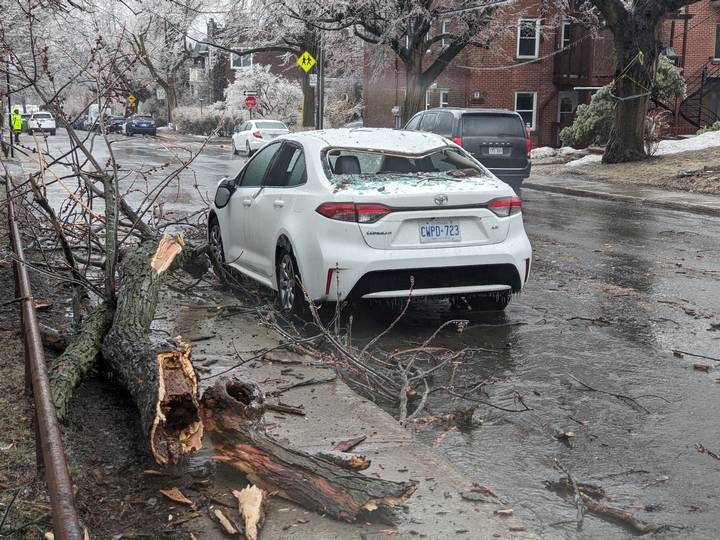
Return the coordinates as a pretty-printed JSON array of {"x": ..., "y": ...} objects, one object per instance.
[
  {"x": 143, "y": 130},
  {"x": 512, "y": 174},
  {"x": 257, "y": 144},
  {"x": 364, "y": 272}
]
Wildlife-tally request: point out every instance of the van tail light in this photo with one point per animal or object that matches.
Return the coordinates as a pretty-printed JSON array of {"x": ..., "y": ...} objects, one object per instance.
[
  {"x": 527, "y": 269},
  {"x": 257, "y": 134},
  {"x": 359, "y": 213},
  {"x": 505, "y": 206},
  {"x": 457, "y": 140},
  {"x": 528, "y": 144}
]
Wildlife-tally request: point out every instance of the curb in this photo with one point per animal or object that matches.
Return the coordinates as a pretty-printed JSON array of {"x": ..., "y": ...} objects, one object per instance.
[{"x": 579, "y": 192}]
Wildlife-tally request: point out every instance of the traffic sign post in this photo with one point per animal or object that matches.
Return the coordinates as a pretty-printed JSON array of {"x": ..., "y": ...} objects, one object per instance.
[
  {"x": 306, "y": 61},
  {"x": 250, "y": 103}
]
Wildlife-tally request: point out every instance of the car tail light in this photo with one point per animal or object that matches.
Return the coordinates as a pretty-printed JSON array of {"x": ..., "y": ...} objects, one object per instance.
[
  {"x": 360, "y": 213},
  {"x": 505, "y": 206},
  {"x": 328, "y": 282},
  {"x": 257, "y": 134},
  {"x": 457, "y": 140},
  {"x": 527, "y": 269}
]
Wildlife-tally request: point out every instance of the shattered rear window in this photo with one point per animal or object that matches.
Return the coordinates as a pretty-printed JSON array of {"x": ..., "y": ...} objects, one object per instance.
[{"x": 355, "y": 168}]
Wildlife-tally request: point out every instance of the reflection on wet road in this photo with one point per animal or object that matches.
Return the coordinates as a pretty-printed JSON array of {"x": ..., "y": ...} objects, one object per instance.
[{"x": 614, "y": 288}]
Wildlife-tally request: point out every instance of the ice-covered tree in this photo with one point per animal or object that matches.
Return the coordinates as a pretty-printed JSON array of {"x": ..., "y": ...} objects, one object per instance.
[{"x": 277, "y": 97}]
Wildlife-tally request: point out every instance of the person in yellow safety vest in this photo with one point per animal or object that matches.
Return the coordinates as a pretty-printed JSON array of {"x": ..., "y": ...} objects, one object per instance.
[{"x": 16, "y": 124}]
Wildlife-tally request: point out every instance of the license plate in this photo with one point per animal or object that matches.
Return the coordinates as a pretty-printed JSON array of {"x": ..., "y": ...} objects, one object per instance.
[
  {"x": 447, "y": 230},
  {"x": 495, "y": 151}
]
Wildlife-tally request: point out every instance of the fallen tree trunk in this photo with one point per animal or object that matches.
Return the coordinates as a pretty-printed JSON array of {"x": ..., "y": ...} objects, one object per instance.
[
  {"x": 232, "y": 412},
  {"x": 157, "y": 373},
  {"x": 68, "y": 369}
]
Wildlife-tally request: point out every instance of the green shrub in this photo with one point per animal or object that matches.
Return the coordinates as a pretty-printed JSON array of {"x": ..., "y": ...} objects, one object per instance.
[
  {"x": 593, "y": 123},
  {"x": 711, "y": 127}
]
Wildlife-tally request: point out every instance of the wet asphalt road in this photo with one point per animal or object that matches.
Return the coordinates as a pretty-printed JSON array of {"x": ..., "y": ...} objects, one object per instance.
[{"x": 614, "y": 288}]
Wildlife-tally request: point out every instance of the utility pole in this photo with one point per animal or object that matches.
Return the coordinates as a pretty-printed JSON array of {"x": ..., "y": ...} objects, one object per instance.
[
  {"x": 320, "y": 85},
  {"x": 9, "y": 108}
]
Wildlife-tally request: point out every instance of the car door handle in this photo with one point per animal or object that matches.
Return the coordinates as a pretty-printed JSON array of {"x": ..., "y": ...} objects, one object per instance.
[
  {"x": 278, "y": 203},
  {"x": 247, "y": 202}
]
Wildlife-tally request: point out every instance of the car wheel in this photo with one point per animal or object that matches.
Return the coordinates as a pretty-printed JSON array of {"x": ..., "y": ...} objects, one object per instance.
[
  {"x": 291, "y": 300},
  {"x": 217, "y": 254},
  {"x": 247, "y": 148},
  {"x": 490, "y": 302}
]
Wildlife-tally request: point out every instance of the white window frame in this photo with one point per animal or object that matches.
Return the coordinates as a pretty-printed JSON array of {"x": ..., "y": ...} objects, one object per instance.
[
  {"x": 427, "y": 99},
  {"x": 444, "y": 29},
  {"x": 537, "y": 38},
  {"x": 533, "y": 126},
  {"x": 444, "y": 102},
  {"x": 563, "y": 33},
  {"x": 233, "y": 57}
]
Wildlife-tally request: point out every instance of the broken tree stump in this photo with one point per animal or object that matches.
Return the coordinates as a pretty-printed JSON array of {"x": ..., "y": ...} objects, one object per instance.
[
  {"x": 157, "y": 373},
  {"x": 232, "y": 412}
]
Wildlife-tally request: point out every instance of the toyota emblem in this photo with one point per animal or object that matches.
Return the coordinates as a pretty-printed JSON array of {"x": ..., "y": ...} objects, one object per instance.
[{"x": 441, "y": 200}]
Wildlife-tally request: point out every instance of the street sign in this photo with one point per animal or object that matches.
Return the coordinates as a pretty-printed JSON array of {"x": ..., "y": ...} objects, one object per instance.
[
  {"x": 160, "y": 92},
  {"x": 131, "y": 100},
  {"x": 250, "y": 102},
  {"x": 250, "y": 93},
  {"x": 306, "y": 61},
  {"x": 312, "y": 79}
]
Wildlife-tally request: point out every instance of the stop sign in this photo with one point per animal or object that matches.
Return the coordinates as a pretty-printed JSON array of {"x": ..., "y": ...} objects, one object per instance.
[{"x": 250, "y": 102}]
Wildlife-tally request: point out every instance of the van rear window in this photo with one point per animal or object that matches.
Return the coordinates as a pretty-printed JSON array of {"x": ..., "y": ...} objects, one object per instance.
[{"x": 492, "y": 125}]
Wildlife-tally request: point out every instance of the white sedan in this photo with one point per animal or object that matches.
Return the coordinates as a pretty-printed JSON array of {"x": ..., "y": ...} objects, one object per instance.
[
  {"x": 254, "y": 134},
  {"x": 371, "y": 213},
  {"x": 43, "y": 122}
]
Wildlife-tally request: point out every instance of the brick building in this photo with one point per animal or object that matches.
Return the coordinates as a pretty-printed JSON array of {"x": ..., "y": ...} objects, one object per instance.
[{"x": 544, "y": 67}]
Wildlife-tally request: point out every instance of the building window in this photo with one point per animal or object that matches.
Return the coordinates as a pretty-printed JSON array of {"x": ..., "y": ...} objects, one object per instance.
[
  {"x": 239, "y": 62},
  {"x": 444, "y": 98},
  {"x": 427, "y": 99},
  {"x": 528, "y": 38},
  {"x": 445, "y": 29},
  {"x": 717, "y": 41},
  {"x": 525, "y": 106},
  {"x": 565, "y": 34}
]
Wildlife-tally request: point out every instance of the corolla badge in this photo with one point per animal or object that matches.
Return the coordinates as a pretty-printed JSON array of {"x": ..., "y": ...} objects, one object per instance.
[{"x": 441, "y": 200}]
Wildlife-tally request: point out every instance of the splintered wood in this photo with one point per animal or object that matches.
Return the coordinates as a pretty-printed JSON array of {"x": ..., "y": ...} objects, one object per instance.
[{"x": 251, "y": 502}]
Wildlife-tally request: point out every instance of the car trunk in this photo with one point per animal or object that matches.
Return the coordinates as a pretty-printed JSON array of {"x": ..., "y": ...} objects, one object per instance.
[
  {"x": 437, "y": 218},
  {"x": 497, "y": 140}
]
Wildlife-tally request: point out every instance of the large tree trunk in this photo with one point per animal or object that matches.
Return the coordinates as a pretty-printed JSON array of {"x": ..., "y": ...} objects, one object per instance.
[
  {"x": 157, "y": 373},
  {"x": 308, "y": 103},
  {"x": 232, "y": 412},
  {"x": 415, "y": 88}
]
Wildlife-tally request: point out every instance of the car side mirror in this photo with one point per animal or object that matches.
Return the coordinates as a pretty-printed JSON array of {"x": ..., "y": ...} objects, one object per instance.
[{"x": 224, "y": 192}]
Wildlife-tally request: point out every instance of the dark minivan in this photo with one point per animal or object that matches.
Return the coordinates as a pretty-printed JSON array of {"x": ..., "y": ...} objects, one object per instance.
[{"x": 497, "y": 138}]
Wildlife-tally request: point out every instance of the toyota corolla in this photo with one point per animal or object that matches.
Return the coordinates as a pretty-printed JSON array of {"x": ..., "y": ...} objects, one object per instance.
[{"x": 352, "y": 214}]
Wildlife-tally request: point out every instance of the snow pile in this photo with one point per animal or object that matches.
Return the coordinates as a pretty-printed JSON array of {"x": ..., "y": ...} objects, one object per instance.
[
  {"x": 700, "y": 142},
  {"x": 710, "y": 139},
  {"x": 569, "y": 151},
  {"x": 543, "y": 152}
]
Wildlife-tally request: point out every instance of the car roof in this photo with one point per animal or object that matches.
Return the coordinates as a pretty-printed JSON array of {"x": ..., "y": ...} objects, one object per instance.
[
  {"x": 457, "y": 111},
  {"x": 400, "y": 141}
]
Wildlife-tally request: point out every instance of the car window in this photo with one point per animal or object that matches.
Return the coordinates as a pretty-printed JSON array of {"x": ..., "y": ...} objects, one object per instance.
[
  {"x": 444, "y": 125},
  {"x": 269, "y": 124},
  {"x": 492, "y": 125},
  {"x": 42, "y": 116},
  {"x": 428, "y": 122},
  {"x": 414, "y": 122},
  {"x": 288, "y": 168},
  {"x": 254, "y": 172},
  {"x": 243, "y": 127}
]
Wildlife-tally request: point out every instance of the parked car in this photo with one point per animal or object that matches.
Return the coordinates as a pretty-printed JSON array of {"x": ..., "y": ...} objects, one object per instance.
[
  {"x": 43, "y": 122},
  {"x": 115, "y": 124},
  {"x": 359, "y": 214},
  {"x": 80, "y": 123},
  {"x": 254, "y": 134},
  {"x": 497, "y": 138},
  {"x": 140, "y": 123}
]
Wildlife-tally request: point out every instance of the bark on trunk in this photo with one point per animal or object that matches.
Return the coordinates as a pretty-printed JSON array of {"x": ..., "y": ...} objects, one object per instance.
[
  {"x": 68, "y": 369},
  {"x": 308, "y": 103},
  {"x": 415, "y": 89},
  {"x": 157, "y": 373},
  {"x": 232, "y": 412}
]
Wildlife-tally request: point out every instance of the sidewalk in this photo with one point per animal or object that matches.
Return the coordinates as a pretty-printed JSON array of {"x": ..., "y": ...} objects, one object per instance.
[
  {"x": 699, "y": 203},
  {"x": 333, "y": 413}
]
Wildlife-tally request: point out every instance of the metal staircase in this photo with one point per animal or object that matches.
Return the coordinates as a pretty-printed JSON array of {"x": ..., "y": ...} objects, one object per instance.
[{"x": 693, "y": 108}]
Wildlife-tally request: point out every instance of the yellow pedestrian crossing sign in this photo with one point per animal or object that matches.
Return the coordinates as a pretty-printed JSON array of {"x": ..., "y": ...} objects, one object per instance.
[
  {"x": 306, "y": 61},
  {"x": 131, "y": 99}
]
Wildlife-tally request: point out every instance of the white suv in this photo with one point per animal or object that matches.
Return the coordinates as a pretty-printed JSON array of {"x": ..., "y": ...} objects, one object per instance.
[
  {"x": 43, "y": 122},
  {"x": 371, "y": 213}
]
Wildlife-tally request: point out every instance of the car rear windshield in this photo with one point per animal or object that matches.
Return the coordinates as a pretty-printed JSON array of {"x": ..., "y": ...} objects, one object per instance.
[
  {"x": 42, "y": 116},
  {"x": 492, "y": 125},
  {"x": 270, "y": 125},
  {"x": 348, "y": 166},
  {"x": 144, "y": 118}
]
